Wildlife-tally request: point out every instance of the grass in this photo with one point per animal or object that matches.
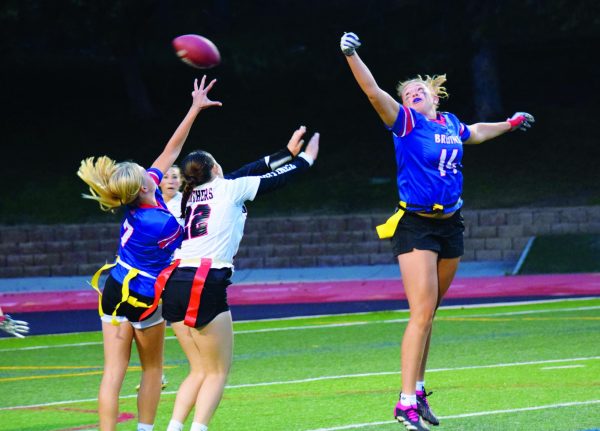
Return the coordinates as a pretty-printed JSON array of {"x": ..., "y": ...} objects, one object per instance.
[
  {"x": 569, "y": 253},
  {"x": 493, "y": 368}
]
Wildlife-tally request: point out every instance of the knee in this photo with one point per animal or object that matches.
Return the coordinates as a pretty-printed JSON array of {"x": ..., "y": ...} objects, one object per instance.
[
  {"x": 218, "y": 377},
  {"x": 153, "y": 368},
  {"x": 423, "y": 318}
]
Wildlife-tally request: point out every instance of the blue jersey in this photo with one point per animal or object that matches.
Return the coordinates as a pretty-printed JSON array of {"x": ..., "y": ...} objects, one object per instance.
[
  {"x": 428, "y": 157},
  {"x": 149, "y": 236}
]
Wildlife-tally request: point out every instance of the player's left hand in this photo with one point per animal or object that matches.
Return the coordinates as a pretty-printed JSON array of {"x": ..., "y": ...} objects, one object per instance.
[
  {"x": 14, "y": 327},
  {"x": 312, "y": 148},
  {"x": 521, "y": 121}
]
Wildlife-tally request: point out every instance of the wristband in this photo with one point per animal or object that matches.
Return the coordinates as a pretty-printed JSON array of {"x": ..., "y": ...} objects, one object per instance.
[
  {"x": 306, "y": 157},
  {"x": 279, "y": 158},
  {"x": 516, "y": 122}
]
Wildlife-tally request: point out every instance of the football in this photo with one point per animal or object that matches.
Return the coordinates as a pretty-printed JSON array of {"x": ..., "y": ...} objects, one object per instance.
[{"x": 197, "y": 51}]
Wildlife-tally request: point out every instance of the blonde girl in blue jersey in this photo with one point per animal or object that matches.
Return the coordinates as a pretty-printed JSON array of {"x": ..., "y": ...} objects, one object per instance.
[
  {"x": 427, "y": 230},
  {"x": 149, "y": 235}
]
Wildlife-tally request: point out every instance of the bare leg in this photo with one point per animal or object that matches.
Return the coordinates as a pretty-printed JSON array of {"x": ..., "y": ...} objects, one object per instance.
[
  {"x": 150, "y": 342},
  {"x": 446, "y": 270},
  {"x": 117, "y": 351},
  {"x": 420, "y": 279},
  {"x": 209, "y": 351}
]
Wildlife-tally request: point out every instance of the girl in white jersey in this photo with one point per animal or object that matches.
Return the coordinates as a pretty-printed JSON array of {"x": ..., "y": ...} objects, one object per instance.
[
  {"x": 427, "y": 230},
  {"x": 195, "y": 296},
  {"x": 171, "y": 183}
]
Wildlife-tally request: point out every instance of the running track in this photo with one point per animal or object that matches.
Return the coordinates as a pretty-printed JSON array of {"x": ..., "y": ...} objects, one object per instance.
[{"x": 76, "y": 310}]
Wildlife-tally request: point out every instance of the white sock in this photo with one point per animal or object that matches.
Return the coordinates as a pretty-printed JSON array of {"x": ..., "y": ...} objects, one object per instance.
[
  {"x": 198, "y": 427},
  {"x": 408, "y": 400},
  {"x": 175, "y": 426},
  {"x": 145, "y": 427},
  {"x": 421, "y": 385}
]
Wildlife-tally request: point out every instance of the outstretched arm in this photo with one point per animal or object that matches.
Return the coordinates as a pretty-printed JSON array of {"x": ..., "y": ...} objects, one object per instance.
[
  {"x": 273, "y": 161},
  {"x": 481, "y": 132},
  {"x": 281, "y": 176},
  {"x": 175, "y": 144},
  {"x": 385, "y": 105}
]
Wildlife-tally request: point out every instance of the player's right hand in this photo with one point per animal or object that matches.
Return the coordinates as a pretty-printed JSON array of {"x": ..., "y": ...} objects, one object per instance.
[
  {"x": 296, "y": 142},
  {"x": 349, "y": 43},
  {"x": 200, "y": 94},
  {"x": 14, "y": 327}
]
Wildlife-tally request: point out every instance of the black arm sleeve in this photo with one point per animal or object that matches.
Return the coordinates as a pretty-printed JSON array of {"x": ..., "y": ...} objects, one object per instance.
[
  {"x": 256, "y": 168},
  {"x": 283, "y": 175},
  {"x": 262, "y": 166}
]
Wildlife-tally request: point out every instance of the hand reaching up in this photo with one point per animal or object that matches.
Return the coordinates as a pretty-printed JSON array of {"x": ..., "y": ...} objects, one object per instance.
[{"x": 200, "y": 94}]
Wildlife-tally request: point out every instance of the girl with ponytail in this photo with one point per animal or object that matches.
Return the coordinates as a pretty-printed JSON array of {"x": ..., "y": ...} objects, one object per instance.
[{"x": 195, "y": 295}]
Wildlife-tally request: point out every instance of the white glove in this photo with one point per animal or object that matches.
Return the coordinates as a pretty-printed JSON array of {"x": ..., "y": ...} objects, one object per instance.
[
  {"x": 349, "y": 43},
  {"x": 14, "y": 327}
]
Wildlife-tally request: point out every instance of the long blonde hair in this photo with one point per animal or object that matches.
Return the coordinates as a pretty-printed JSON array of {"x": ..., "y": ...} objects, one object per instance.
[
  {"x": 111, "y": 184},
  {"x": 433, "y": 82}
]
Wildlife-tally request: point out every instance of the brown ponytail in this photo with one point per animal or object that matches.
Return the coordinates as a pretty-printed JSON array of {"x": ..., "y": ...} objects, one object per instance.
[{"x": 196, "y": 169}]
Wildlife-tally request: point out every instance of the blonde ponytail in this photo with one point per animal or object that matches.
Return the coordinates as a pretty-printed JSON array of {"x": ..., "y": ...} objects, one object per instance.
[{"x": 111, "y": 184}]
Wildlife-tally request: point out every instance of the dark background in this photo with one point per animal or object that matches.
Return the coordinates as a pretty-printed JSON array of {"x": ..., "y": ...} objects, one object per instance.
[{"x": 88, "y": 78}]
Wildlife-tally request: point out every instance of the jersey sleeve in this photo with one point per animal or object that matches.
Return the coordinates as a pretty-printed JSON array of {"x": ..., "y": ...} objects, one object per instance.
[
  {"x": 171, "y": 236},
  {"x": 464, "y": 132},
  {"x": 404, "y": 123},
  {"x": 156, "y": 175},
  {"x": 244, "y": 189}
]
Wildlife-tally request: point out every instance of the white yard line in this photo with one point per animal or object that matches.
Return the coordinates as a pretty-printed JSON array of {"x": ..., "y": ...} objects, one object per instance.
[
  {"x": 337, "y": 325},
  {"x": 562, "y": 367},
  {"x": 321, "y": 378}
]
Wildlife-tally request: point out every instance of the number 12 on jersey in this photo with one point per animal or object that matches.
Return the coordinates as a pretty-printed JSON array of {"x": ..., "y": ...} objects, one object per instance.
[{"x": 196, "y": 221}]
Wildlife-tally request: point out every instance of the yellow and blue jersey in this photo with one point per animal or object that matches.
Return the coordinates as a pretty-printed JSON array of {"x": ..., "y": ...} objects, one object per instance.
[
  {"x": 429, "y": 159},
  {"x": 149, "y": 236}
]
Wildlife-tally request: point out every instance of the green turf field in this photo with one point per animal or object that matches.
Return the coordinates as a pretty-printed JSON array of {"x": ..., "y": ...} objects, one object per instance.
[{"x": 520, "y": 367}]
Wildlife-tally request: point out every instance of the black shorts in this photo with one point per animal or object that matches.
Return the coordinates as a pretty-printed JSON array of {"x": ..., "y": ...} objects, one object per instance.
[
  {"x": 111, "y": 296},
  {"x": 444, "y": 236},
  {"x": 176, "y": 296}
]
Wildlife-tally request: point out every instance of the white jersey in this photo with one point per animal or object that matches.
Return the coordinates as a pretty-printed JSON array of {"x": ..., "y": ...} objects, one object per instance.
[
  {"x": 215, "y": 222},
  {"x": 174, "y": 207}
]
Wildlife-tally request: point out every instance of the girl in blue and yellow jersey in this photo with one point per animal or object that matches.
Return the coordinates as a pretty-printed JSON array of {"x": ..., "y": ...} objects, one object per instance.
[
  {"x": 427, "y": 230},
  {"x": 150, "y": 234}
]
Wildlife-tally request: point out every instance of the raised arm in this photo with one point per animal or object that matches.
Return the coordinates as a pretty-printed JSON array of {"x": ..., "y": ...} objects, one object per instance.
[
  {"x": 173, "y": 148},
  {"x": 273, "y": 161},
  {"x": 481, "y": 132},
  {"x": 385, "y": 105},
  {"x": 284, "y": 174}
]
